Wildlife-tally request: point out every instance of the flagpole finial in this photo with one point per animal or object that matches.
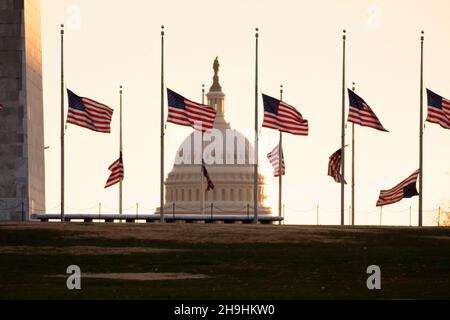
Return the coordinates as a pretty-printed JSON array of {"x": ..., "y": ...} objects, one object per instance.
[
  {"x": 257, "y": 32},
  {"x": 162, "y": 30},
  {"x": 203, "y": 93},
  {"x": 422, "y": 33},
  {"x": 121, "y": 89},
  {"x": 344, "y": 32},
  {"x": 62, "y": 28},
  {"x": 353, "y": 86}
]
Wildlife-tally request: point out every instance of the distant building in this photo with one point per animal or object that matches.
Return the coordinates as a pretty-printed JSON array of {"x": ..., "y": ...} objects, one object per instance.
[
  {"x": 228, "y": 155},
  {"x": 22, "y": 174}
]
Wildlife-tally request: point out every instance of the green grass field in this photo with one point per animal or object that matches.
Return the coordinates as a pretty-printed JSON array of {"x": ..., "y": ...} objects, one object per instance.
[{"x": 237, "y": 261}]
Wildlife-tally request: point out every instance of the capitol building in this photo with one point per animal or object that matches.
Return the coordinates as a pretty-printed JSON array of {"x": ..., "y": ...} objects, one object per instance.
[{"x": 229, "y": 159}]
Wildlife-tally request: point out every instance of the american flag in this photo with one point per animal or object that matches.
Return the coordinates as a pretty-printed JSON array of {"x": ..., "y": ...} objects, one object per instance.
[
  {"x": 188, "y": 113},
  {"x": 360, "y": 113},
  {"x": 88, "y": 113},
  {"x": 405, "y": 189},
  {"x": 210, "y": 184},
  {"x": 117, "y": 172},
  {"x": 275, "y": 161},
  {"x": 283, "y": 117},
  {"x": 334, "y": 166},
  {"x": 438, "y": 109}
]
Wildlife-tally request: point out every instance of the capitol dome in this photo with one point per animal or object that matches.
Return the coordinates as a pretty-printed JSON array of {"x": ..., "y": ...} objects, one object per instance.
[
  {"x": 229, "y": 159},
  {"x": 220, "y": 146}
]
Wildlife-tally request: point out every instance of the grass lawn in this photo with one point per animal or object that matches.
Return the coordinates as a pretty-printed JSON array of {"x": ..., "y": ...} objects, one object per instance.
[{"x": 229, "y": 261}]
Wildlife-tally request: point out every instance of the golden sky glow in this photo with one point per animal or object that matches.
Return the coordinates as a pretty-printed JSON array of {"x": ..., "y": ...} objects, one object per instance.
[{"x": 109, "y": 43}]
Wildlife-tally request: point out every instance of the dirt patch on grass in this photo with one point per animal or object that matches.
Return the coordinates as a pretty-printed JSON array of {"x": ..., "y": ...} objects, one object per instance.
[
  {"x": 439, "y": 237},
  {"x": 146, "y": 276},
  {"x": 80, "y": 250}
]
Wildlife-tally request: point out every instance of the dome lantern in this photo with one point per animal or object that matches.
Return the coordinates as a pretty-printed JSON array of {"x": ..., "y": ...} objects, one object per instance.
[{"x": 216, "y": 98}]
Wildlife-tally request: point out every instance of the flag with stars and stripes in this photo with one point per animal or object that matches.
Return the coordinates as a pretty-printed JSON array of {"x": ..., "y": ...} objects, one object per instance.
[
  {"x": 210, "y": 184},
  {"x": 405, "y": 189},
  {"x": 438, "y": 109},
  {"x": 88, "y": 113},
  {"x": 280, "y": 116},
  {"x": 274, "y": 158},
  {"x": 188, "y": 113},
  {"x": 360, "y": 113},
  {"x": 334, "y": 166},
  {"x": 117, "y": 172}
]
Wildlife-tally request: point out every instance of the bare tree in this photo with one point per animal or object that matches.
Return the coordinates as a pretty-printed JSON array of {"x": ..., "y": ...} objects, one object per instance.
[{"x": 441, "y": 215}]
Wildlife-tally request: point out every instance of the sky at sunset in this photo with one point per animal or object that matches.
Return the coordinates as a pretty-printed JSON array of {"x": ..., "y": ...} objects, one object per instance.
[{"x": 112, "y": 42}]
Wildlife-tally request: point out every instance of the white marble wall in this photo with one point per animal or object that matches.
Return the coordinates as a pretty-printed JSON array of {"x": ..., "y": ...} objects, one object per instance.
[{"x": 22, "y": 179}]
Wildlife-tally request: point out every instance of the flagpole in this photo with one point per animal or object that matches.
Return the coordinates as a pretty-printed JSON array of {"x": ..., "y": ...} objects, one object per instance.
[
  {"x": 202, "y": 188},
  {"x": 161, "y": 199},
  {"x": 62, "y": 124},
  {"x": 421, "y": 132},
  {"x": 255, "y": 177},
  {"x": 343, "y": 131},
  {"x": 353, "y": 168},
  {"x": 120, "y": 150},
  {"x": 381, "y": 215},
  {"x": 280, "y": 166}
]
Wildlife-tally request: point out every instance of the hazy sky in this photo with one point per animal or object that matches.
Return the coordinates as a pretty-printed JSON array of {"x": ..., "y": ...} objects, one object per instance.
[{"x": 112, "y": 42}]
